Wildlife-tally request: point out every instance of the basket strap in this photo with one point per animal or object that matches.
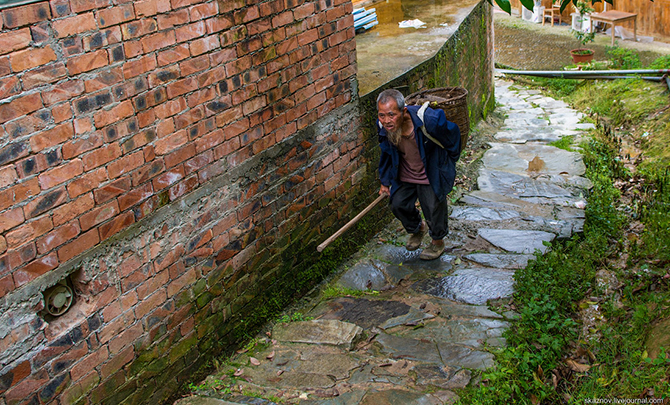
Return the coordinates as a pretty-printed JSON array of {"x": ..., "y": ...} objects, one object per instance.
[{"x": 420, "y": 114}]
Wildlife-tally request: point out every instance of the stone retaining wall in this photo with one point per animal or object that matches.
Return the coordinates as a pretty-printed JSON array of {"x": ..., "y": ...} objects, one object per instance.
[{"x": 176, "y": 163}]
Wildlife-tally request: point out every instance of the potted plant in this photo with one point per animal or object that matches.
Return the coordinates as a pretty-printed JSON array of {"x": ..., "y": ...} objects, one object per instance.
[{"x": 582, "y": 54}]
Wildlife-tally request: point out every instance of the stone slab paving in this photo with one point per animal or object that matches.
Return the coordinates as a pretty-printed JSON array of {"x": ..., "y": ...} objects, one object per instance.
[{"x": 419, "y": 330}]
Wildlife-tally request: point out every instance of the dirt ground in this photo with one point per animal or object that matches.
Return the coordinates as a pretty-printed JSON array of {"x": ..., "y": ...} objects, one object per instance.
[{"x": 524, "y": 45}]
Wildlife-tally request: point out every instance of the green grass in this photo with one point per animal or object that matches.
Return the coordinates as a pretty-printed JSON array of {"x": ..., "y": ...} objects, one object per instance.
[
  {"x": 549, "y": 291},
  {"x": 564, "y": 143}
]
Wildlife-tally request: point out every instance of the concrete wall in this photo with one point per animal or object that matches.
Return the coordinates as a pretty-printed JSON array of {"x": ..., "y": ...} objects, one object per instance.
[{"x": 177, "y": 162}]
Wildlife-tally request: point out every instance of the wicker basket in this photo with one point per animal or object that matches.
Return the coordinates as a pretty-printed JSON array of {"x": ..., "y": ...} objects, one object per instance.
[{"x": 452, "y": 100}]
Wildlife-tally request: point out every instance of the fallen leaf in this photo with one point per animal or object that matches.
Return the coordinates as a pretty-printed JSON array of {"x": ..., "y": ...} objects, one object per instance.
[
  {"x": 254, "y": 361},
  {"x": 238, "y": 372},
  {"x": 534, "y": 400},
  {"x": 280, "y": 372},
  {"x": 271, "y": 356},
  {"x": 274, "y": 342},
  {"x": 577, "y": 367},
  {"x": 457, "y": 261}
]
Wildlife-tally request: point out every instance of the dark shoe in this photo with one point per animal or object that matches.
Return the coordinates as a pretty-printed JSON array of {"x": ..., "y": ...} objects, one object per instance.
[
  {"x": 432, "y": 252},
  {"x": 415, "y": 239}
]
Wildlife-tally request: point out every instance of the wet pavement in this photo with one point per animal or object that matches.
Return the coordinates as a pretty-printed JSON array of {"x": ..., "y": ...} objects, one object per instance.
[
  {"x": 419, "y": 331},
  {"x": 387, "y": 51}
]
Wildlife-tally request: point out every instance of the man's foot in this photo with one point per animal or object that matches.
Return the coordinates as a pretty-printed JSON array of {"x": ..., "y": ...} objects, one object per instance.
[
  {"x": 433, "y": 251},
  {"x": 414, "y": 241}
]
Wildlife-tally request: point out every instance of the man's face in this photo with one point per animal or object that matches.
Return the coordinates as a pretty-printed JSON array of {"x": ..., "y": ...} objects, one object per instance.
[{"x": 390, "y": 116}]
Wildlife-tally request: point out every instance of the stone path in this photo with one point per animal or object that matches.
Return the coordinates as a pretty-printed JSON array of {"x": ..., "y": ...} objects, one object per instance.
[{"x": 427, "y": 326}]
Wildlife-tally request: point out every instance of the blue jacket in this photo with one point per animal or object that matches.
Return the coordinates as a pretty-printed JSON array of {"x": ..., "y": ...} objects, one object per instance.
[{"x": 440, "y": 163}]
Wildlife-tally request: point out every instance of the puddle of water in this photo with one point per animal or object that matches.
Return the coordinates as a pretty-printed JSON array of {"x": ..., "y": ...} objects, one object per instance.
[{"x": 387, "y": 51}]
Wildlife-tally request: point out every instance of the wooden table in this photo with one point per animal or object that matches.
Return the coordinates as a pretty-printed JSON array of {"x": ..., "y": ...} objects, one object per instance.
[{"x": 615, "y": 17}]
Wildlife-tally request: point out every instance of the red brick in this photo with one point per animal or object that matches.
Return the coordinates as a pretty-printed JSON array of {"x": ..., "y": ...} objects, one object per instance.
[
  {"x": 158, "y": 41},
  {"x": 85, "y": 5},
  {"x": 138, "y": 140},
  {"x": 63, "y": 91},
  {"x": 52, "y": 137},
  {"x": 115, "y": 15},
  {"x": 117, "y": 224},
  {"x": 172, "y": 55},
  {"x": 117, "y": 362},
  {"x": 21, "y": 255},
  {"x": 182, "y": 87},
  {"x": 74, "y": 25},
  {"x": 25, "y": 389},
  {"x": 28, "y": 232},
  {"x": 191, "y": 31},
  {"x": 282, "y": 19},
  {"x": 193, "y": 65},
  {"x": 137, "y": 29},
  {"x": 11, "y": 218},
  {"x": 112, "y": 190},
  {"x": 60, "y": 174},
  {"x": 135, "y": 196},
  {"x": 125, "y": 338},
  {"x": 118, "y": 112},
  {"x": 173, "y": 19},
  {"x": 218, "y": 24},
  {"x": 73, "y": 209},
  {"x": 247, "y": 14},
  {"x": 80, "y": 145},
  {"x": 214, "y": 75},
  {"x": 7, "y": 176},
  {"x": 19, "y": 193},
  {"x": 3, "y": 248},
  {"x": 147, "y": 172},
  {"x": 170, "y": 108},
  {"x": 26, "y": 15},
  {"x": 57, "y": 237},
  {"x": 308, "y": 37},
  {"x": 189, "y": 117},
  {"x": 125, "y": 165},
  {"x": 6, "y": 285},
  {"x": 99, "y": 215},
  {"x": 45, "y": 202},
  {"x": 261, "y": 27},
  {"x": 42, "y": 75},
  {"x": 35, "y": 269},
  {"x": 152, "y": 302},
  {"x": 151, "y": 7},
  {"x": 81, "y": 244},
  {"x": 9, "y": 86},
  {"x": 4, "y": 66},
  {"x": 20, "y": 106},
  {"x": 89, "y": 362},
  {"x": 180, "y": 155},
  {"x": 87, "y": 62},
  {"x": 170, "y": 143},
  {"x": 204, "y": 45},
  {"x": 104, "y": 79},
  {"x": 101, "y": 156},
  {"x": 14, "y": 40},
  {"x": 86, "y": 182},
  {"x": 137, "y": 67},
  {"x": 183, "y": 187},
  {"x": 168, "y": 178},
  {"x": 61, "y": 113}
]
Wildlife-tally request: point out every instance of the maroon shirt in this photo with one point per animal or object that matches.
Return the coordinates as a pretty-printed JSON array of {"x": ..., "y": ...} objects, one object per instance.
[{"x": 411, "y": 165}]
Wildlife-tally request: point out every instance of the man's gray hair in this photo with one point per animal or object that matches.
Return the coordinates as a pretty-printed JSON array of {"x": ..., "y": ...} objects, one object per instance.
[{"x": 391, "y": 94}]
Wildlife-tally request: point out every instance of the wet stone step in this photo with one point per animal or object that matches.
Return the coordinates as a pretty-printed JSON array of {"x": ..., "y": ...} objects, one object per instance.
[
  {"x": 515, "y": 159},
  {"x": 471, "y": 286},
  {"x": 500, "y": 261},
  {"x": 517, "y": 241}
]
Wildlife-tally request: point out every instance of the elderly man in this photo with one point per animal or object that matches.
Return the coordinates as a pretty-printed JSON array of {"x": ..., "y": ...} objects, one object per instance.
[{"x": 418, "y": 163}]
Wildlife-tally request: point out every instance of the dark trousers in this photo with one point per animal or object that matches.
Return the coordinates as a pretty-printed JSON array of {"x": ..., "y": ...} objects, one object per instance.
[{"x": 403, "y": 205}]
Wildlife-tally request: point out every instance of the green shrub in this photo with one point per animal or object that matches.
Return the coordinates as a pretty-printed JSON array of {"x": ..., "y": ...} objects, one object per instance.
[{"x": 623, "y": 58}]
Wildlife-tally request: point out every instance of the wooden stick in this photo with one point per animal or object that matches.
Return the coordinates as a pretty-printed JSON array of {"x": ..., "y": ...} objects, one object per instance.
[{"x": 350, "y": 223}]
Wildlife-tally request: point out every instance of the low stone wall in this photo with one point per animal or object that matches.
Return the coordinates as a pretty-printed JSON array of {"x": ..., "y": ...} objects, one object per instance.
[
  {"x": 177, "y": 163},
  {"x": 465, "y": 60}
]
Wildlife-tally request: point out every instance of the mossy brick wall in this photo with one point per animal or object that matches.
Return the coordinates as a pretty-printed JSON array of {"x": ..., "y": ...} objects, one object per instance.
[
  {"x": 179, "y": 162},
  {"x": 163, "y": 155}
]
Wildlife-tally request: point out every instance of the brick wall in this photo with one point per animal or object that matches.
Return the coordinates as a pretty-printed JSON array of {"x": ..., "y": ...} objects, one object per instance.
[{"x": 174, "y": 159}]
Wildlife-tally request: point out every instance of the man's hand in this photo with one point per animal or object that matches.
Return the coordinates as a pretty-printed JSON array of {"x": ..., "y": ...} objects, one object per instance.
[{"x": 384, "y": 190}]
